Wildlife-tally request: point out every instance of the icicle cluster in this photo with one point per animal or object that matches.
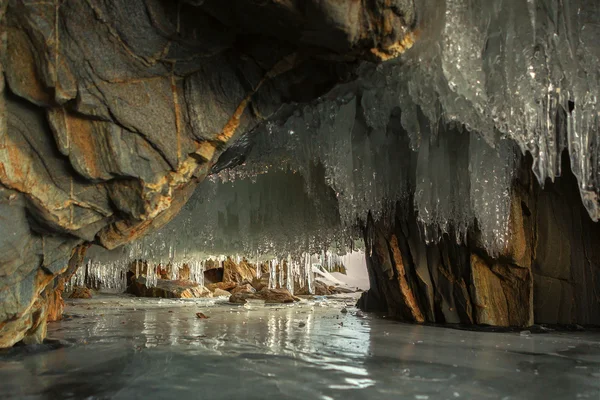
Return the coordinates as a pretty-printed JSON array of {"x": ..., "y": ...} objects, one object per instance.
[
  {"x": 486, "y": 78},
  {"x": 438, "y": 132},
  {"x": 523, "y": 69}
]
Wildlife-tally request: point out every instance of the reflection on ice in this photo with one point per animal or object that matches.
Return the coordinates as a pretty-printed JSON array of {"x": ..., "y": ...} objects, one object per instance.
[{"x": 122, "y": 348}]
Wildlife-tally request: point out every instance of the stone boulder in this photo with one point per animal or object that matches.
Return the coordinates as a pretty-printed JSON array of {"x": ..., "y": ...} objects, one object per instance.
[
  {"x": 319, "y": 289},
  {"x": 322, "y": 289},
  {"x": 262, "y": 282},
  {"x": 238, "y": 272},
  {"x": 81, "y": 293},
  {"x": 227, "y": 286},
  {"x": 244, "y": 288},
  {"x": 221, "y": 293},
  {"x": 268, "y": 295},
  {"x": 168, "y": 289}
]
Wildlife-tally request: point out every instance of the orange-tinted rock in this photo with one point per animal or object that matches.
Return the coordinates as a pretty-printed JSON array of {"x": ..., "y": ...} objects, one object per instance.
[
  {"x": 319, "y": 289},
  {"x": 276, "y": 296},
  {"x": 163, "y": 272},
  {"x": 238, "y": 272},
  {"x": 55, "y": 303},
  {"x": 168, "y": 289},
  {"x": 221, "y": 285},
  {"x": 488, "y": 297},
  {"x": 264, "y": 268},
  {"x": 261, "y": 283},
  {"x": 405, "y": 289},
  {"x": 501, "y": 294},
  {"x": 245, "y": 288},
  {"x": 184, "y": 273},
  {"x": 221, "y": 293},
  {"x": 241, "y": 298},
  {"x": 268, "y": 295},
  {"x": 81, "y": 293}
]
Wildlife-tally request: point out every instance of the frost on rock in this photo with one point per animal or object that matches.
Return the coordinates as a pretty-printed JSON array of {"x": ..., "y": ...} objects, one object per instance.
[{"x": 439, "y": 131}]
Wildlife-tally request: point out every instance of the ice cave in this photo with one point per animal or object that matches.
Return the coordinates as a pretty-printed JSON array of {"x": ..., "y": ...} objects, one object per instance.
[{"x": 312, "y": 199}]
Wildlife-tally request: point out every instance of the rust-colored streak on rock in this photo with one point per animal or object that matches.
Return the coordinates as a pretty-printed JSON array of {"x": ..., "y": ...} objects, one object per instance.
[
  {"x": 284, "y": 65},
  {"x": 55, "y": 302},
  {"x": 226, "y": 286},
  {"x": 266, "y": 294},
  {"x": 24, "y": 79},
  {"x": 30, "y": 324},
  {"x": 54, "y": 299},
  {"x": 491, "y": 306},
  {"x": 184, "y": 272},
  {"x": 159, "y": 194},
  {"x": 177, "y": 111},
  {"x": 80, "y": 135},
  {"x": 177, "y": 289},
  {"x": 238, "y": 272},
  {"x": 396, "y": 49},
  {"x": 407, "y": 293}
]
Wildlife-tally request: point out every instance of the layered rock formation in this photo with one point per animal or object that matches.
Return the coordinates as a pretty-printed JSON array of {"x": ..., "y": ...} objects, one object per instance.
[
  {"x": 547, "y": 272},
  {"x": 113, "y": 111}
]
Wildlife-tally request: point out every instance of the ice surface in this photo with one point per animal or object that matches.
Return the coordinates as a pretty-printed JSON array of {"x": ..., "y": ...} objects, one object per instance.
[{"x": 149, "y": 348}]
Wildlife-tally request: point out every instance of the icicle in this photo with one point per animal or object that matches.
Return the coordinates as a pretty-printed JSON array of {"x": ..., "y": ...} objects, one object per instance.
[
  {"x": 272, "y": 283},
  {"x": 258, "y": 270},
  {"x": 290, "y": 279},
  {"x": 280, "y": 278}
]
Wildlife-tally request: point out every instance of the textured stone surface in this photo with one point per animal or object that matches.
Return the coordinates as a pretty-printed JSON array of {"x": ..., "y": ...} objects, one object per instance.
[
  {"x": 37, "y": 301},
  {"x": 115, "y": 109},
  {"x": 221, "y": 285},
  {"x": 221, "y": 293},
  {"x": 266, "y": 294},
  {"x": 262, "y": 282},
  {"x": 168, "y": 289},
  {"x": 245, "y": 288},
  {"x": 81, "y": 293},
  {"x": 547, "y": 273},
  {"x": 238, "y": 272}
]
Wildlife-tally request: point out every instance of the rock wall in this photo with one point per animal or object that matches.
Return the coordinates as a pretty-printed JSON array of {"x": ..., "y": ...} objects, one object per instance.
[
  {"x": 548, "y": 273},
  {"x": 114, "y": 110}
]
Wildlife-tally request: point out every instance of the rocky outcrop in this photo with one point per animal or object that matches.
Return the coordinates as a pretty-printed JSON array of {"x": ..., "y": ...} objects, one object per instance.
[
  {"x": 270, "y": 296},
  {"x": 38, "y": 301},
  {"x": 81, "y": 293},
  {"x": 238, "y": 272},
  {"x": 168, "y": 289},
  {"x": 114, "y": 110},
  {"x": 245, "y": 288},
  {"x": 262, "y": 282},
  {"x": 547, "y": 273},
  {"x": 221, "y": 293},
  {"x": 322, "y": 289},
  {"x": 221, "y": 286}
]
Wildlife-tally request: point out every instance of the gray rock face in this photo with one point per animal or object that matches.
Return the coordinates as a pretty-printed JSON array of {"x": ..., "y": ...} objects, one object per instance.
[{"x": 115, "y": 109}]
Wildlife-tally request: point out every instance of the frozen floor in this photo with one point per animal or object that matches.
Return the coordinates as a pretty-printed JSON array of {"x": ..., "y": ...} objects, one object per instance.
[{"x": 124, "y": 348}]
